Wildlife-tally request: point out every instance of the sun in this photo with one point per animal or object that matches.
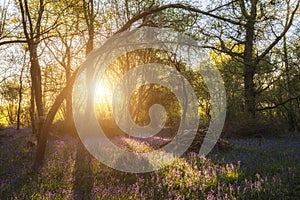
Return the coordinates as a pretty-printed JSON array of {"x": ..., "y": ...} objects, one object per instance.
[
  {"x": 101, "y": 90},
  {"x": 102, "y": 93}
]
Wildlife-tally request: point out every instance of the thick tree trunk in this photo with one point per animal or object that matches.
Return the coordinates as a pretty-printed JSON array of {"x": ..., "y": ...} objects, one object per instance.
[
  {"x": 36, "y": 78},
  {"x": 249, "y": 92},
  {"x": 249, "y": 65},
  {"x": 35, "y": 72}
]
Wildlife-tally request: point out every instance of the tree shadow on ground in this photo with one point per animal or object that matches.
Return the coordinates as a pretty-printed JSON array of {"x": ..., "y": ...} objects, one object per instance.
[
  {"x": 17, "y": 185},
  {"x": 83, "y": 174},
  {"x": 15, "y": 163}
]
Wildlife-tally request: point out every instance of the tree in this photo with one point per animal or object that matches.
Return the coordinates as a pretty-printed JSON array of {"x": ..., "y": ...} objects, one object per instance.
[
  {"x": 90, "y": 18},
  {"x": 14, "y": 56},
  {"x": 8, "y": 25},
  {"x": 33, "y": 34},
  {"x": 9, "y": 92},
  {"x": 246, "y": 22},
  {"x": 66, "y": 49},
  {"x": 34, "y": 30}
]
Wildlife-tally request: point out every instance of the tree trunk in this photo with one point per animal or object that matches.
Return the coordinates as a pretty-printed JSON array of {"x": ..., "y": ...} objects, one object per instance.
[
  {"x": 32, "y": 111},
  {"x": 290, "y": 115},
  {"x": 249, "y": 64},
  {"x": 20, "y": 97},
  {"x": 69, "y": 113},
  {"x": 89, "y": 19},
  {"x": 35, "y": 72}
]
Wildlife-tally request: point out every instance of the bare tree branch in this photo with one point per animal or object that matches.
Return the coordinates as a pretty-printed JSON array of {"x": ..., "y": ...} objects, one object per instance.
[
  {"x": 243, "y": 8},
  {"x": 279, "y": 104},
  {"x": 221, "y": 6},
  {"x": 287, "y": 27},
  {"x": 12, "y": 42},
  {"x": 179, "y": 6}
]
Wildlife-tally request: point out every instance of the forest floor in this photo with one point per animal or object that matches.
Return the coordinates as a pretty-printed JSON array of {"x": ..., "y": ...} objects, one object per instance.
[{"x": 266, "y": 168}]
